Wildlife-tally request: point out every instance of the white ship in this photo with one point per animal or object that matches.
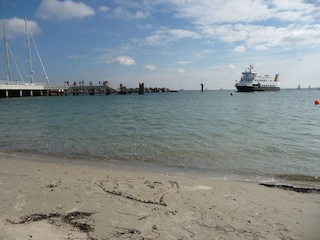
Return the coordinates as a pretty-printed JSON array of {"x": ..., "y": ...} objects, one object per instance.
[{"x": 250, "y": 81}]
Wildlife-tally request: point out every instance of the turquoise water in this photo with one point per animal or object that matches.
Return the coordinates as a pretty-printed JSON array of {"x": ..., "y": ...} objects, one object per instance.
[{"x": 256, "y": 136}]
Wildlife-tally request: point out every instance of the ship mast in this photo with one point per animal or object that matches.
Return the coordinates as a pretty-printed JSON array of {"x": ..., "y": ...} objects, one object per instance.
[
  {"x": 44, "y": 70},
  {"x": 6, "y": 54},
  {"x": 29, "y": 52}
]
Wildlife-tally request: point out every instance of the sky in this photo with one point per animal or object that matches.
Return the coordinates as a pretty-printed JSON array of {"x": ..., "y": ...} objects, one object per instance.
[{"x": 165, "y": 43}]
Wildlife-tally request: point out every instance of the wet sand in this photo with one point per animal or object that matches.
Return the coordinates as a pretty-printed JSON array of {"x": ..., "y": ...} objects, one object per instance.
[{"x": 43, "y": 200}]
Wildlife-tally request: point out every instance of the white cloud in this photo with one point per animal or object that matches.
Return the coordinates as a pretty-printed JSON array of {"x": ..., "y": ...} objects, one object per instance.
[
  {"x": 291, "y": 5},
  {"x": 303, "y": 36},
  {"x": 144, "y": 27},
  {"x": 231, "y": 66},
  {"x": 253, "y": 23},
  {"x": 125, "y": 14},
  {"x": 239, "y": 49},
  {"x": 122, "y": 60},
  {"x": 207, "y": 12},
  {"x": 150, "y": 67},
  {"x": 181, "y": 71},
  {"x": 181, "y": 63},
  {"x": 262, "y": 37},
  {"x": 227, "y": 32},
  {"x": 261, "y": 47},
  {"x": 165, "y": 36},
  {"x": 103, "y": 9},
  {"x": 220, "y": 11},
  {"x": 156, "y": 40},
  {"x": 50, "y": 9},
  {"x": 177, "y": 34},
  {"x": 15, "y": 27},
  {"x": 203, "y": 53}
]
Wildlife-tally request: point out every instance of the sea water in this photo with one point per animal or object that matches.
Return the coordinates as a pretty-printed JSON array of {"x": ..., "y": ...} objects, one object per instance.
[{"x": 261, "y": 136}]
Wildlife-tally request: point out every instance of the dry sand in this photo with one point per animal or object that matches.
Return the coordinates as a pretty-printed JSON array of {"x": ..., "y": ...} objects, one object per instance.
[{"x": 42, "y": 200}]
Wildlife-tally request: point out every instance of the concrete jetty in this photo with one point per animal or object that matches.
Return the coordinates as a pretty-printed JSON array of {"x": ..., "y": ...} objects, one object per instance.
[
  {"x": 92, "y": 89},
  {"x": 30, "y": 90},
  {"x": 8, "y": 90},
  {"x": 33, "y": 90}
]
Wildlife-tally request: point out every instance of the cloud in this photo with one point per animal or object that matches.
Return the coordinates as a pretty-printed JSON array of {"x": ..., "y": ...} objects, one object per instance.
[
  {"x": 165, "y": 36},
  {"x": 181, "y": 63},
  {"x": 15, "y": 27},
  {"x": 181, "y": 71},
  {"x": 207, "y": 12},
  {"x": 253, "y": 24},
  {"x": 239, "y": 49},
  {"x": 50, "y": 9},
  {"x": 122, "y": 60},
  {"x": 144, "y": 27},
  {"x": 231, "y": 66},
  {"x": 178, "y": 34},
  {"x": 150, "y": 67},
  {"x": 261, "y": 37},
  {"x": 103, "y": 9},
  {"x": 304, "y": 36},
  {"x": 77, "y": 56},
  {"x": 125, "y": 14},
  {"x": 228, "y": 33},
  {"x": 204, "y": 53}
]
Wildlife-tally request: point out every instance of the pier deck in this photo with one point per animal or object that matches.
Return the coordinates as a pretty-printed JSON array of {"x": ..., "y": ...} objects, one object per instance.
[
  {"x": 29, "y": 90},
  {"x": 91, "y": 89}
]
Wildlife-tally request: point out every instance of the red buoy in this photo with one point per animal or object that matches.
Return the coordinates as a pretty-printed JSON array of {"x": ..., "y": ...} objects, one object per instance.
[{"x": 316, "y": 102}]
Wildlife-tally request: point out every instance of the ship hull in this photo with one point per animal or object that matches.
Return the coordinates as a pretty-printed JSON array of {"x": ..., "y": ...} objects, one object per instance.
[{"x": 256, "y": 89}]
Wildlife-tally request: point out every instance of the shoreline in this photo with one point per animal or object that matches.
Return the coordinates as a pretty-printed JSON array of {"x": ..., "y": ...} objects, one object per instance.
[
  {"x": 40, "y": 199},
  {"x": 276, "y": 179}
]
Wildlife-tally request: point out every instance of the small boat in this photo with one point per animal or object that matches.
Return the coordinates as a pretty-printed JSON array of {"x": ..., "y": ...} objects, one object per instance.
[
  {"x": 250, "y": 81},
  {"x": 299, "y": 87}
]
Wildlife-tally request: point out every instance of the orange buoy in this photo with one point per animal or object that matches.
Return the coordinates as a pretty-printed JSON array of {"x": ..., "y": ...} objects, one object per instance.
[{"x": 316, "y": 102}]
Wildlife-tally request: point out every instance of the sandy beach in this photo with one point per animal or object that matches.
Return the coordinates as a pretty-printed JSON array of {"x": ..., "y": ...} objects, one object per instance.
[{"x": 43, "y": 200}]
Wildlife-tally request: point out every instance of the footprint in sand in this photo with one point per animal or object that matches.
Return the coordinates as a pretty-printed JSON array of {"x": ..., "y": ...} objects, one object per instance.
[{"x": 19, "y": 205}]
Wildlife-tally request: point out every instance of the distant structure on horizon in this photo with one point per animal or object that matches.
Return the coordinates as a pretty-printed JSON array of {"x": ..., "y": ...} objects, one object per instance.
[{"x": 202, "y": 85}]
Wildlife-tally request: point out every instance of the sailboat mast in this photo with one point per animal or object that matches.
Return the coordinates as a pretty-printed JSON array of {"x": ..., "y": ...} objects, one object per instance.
[
  {"x": 29, "y": 51},
  {"x": 44, "y": 70},
  {"x": 6, "y": 54}
]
